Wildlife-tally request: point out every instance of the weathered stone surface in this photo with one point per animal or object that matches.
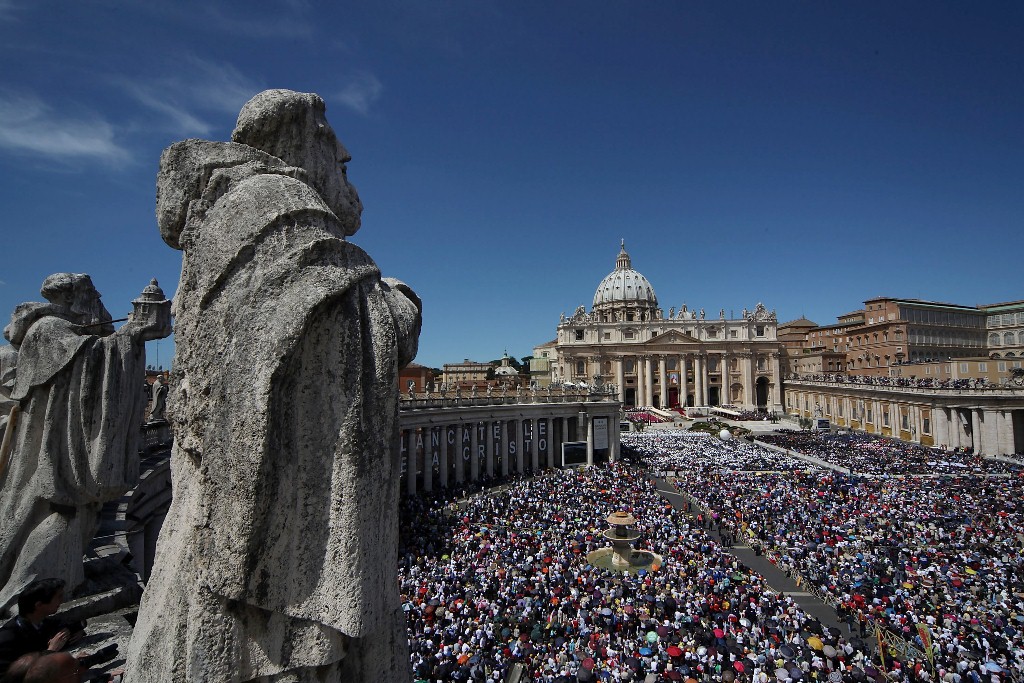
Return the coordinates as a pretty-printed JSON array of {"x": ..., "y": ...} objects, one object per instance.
[
  {"x": 277, "y": 560},
  {"x": 75, "y": 442}
]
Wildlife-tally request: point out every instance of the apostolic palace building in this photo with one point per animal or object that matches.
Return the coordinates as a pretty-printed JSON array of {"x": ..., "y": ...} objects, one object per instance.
[{"x": 652, "y": 358}]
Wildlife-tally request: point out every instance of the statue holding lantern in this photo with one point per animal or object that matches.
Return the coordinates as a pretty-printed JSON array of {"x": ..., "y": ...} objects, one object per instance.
[{"x": 72, "y": 436}]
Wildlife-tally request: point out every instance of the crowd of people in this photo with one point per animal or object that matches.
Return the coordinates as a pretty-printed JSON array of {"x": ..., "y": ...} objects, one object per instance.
[
  {"x": 900, "y": 381},
  {"x": 502, "y": 578},
  {"x": 866, "y": 454},
  {"x": 892, "y": 552}
]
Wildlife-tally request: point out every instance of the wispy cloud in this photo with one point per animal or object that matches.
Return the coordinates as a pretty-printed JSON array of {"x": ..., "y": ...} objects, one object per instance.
[
  {"x": 362, "y": 90},
  {"x": 8, "y": 8},
  {"x": 281, "y": 26},
  {"x": 30, "y": 126},
  {"x": 200, "y": 87}
]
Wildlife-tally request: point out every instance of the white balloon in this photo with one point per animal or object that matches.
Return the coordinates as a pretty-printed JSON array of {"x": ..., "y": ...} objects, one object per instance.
[{"x": 725, "y": 435}]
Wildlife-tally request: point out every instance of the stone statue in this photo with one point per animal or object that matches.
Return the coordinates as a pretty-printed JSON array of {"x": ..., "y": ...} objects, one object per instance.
[
  {"x": 721, "y": 314},
  {"x": 74, "y": 444},
  {"x": 8, "y": 371},
  {"x": 278, "y": 558},
  {"x": 159, "y": 401},
  {"x": 702, "y": 314}
]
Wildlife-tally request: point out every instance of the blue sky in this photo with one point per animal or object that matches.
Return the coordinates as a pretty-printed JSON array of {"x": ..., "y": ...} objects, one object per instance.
[{"x": 805, "y": 155}]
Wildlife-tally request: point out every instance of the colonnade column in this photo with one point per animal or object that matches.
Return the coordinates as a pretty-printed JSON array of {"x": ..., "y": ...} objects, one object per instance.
[
  {"x": 520, "y": 455},
  {"x": 663, "y": 382},
  {"x": 940, "y": 426},
  {"x": 442, "y": 465},
  {"x": 460, "y": 453},
  {"x": 409, "y": 442},
  {"x": 978, "y": 442},
  {"x": 620, "y": 378},
  {"x": 613, "y": 444},
  {"x": 490, "y": 437},
  {"x": 504, "y": 448},
  {"x": 474, "y": 453},
  {"x": 590, "y": 439},
  {"x": 534, "y": 445},
  {"x": 429, "y": 445}
]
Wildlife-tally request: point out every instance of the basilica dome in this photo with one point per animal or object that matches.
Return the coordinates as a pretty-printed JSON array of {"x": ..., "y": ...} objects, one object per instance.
[{"x": 624, "y": 286}]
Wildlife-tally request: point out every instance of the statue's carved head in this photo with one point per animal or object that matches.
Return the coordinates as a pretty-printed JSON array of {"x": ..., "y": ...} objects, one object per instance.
[
  {"x": 76, "y": 293},
  {"x": 293, "y": 127}
]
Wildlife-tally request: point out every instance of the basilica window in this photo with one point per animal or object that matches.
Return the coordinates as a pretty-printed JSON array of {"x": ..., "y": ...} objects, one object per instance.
[
  {"x": 629, "y": 317},
  {"x": 579, "y": 335},
  {"x": 759, "y": 330},
  {"x": 628, "y": 334},
  {"x": 581, "y": 367}
]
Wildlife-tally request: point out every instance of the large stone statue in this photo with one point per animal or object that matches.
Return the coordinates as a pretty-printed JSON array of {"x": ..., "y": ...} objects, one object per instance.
[
  {"x": 278, "y": 557},
  {"x": 73, "y": 443}
]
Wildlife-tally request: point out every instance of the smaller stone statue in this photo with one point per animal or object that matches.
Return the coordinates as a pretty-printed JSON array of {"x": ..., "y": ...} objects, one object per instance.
[
  {"x": 671, "y": 312},
  {"x": 472, "y": 392},
  {"x": 158, "y": 403},
  {"x": 490, "y": 390},
  {"x": 721, "y": 314},
  {"x": 702, "y": 314}
]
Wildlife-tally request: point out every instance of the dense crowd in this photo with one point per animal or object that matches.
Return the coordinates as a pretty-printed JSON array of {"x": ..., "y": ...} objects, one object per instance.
[
  {"x": 893, "y": 552},
  {"x": 502, "y": 577},
  {"x": 866, "y": 454},
  {"x": 677, "y": 449},
  {"x": 915, "y": 382}
]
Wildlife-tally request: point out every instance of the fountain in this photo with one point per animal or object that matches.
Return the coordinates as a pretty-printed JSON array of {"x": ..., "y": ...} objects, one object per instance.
[{"x": 621, "y": 556}]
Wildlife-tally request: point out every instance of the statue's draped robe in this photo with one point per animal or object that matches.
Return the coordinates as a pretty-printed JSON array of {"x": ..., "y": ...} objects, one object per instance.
[
  {"x": 75, "y": 446},
  {"x": 277, "y": 560}
]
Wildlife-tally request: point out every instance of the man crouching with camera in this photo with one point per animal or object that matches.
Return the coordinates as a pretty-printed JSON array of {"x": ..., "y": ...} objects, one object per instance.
[{"x": 31, "y": 643}]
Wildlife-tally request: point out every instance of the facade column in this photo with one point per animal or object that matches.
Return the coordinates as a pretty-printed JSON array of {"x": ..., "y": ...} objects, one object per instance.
[
  {"x": 564, "y": 438},
  {"x": 698, "y": 380},
  {"x": 705, "y": 379},
  {"x": 725, "y": 397},
  {"x": 776, "y": 394},
  {"x": 748, "y": 381},
  {"x": 620, "y": 378},
  {"x": 649, "y": 379},
  {"x": 663, "y": 382},
  {"x": 641, "y": 381},
  {"x": 684, "y": 381}
]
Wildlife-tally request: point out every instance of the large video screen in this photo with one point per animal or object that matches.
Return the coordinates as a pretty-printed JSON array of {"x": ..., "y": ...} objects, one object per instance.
[{"x": 574, "y": 453}]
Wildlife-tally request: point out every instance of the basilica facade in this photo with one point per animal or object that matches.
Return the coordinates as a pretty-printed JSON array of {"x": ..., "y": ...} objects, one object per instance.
[{"x": 656, "y": 359}]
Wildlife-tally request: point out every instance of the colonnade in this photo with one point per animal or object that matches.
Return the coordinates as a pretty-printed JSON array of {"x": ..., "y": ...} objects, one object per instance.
[
  {"x": 988, "y": 421},
  {"x": 448, "y": 446},
  {"x": 709, "y": 368}
]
